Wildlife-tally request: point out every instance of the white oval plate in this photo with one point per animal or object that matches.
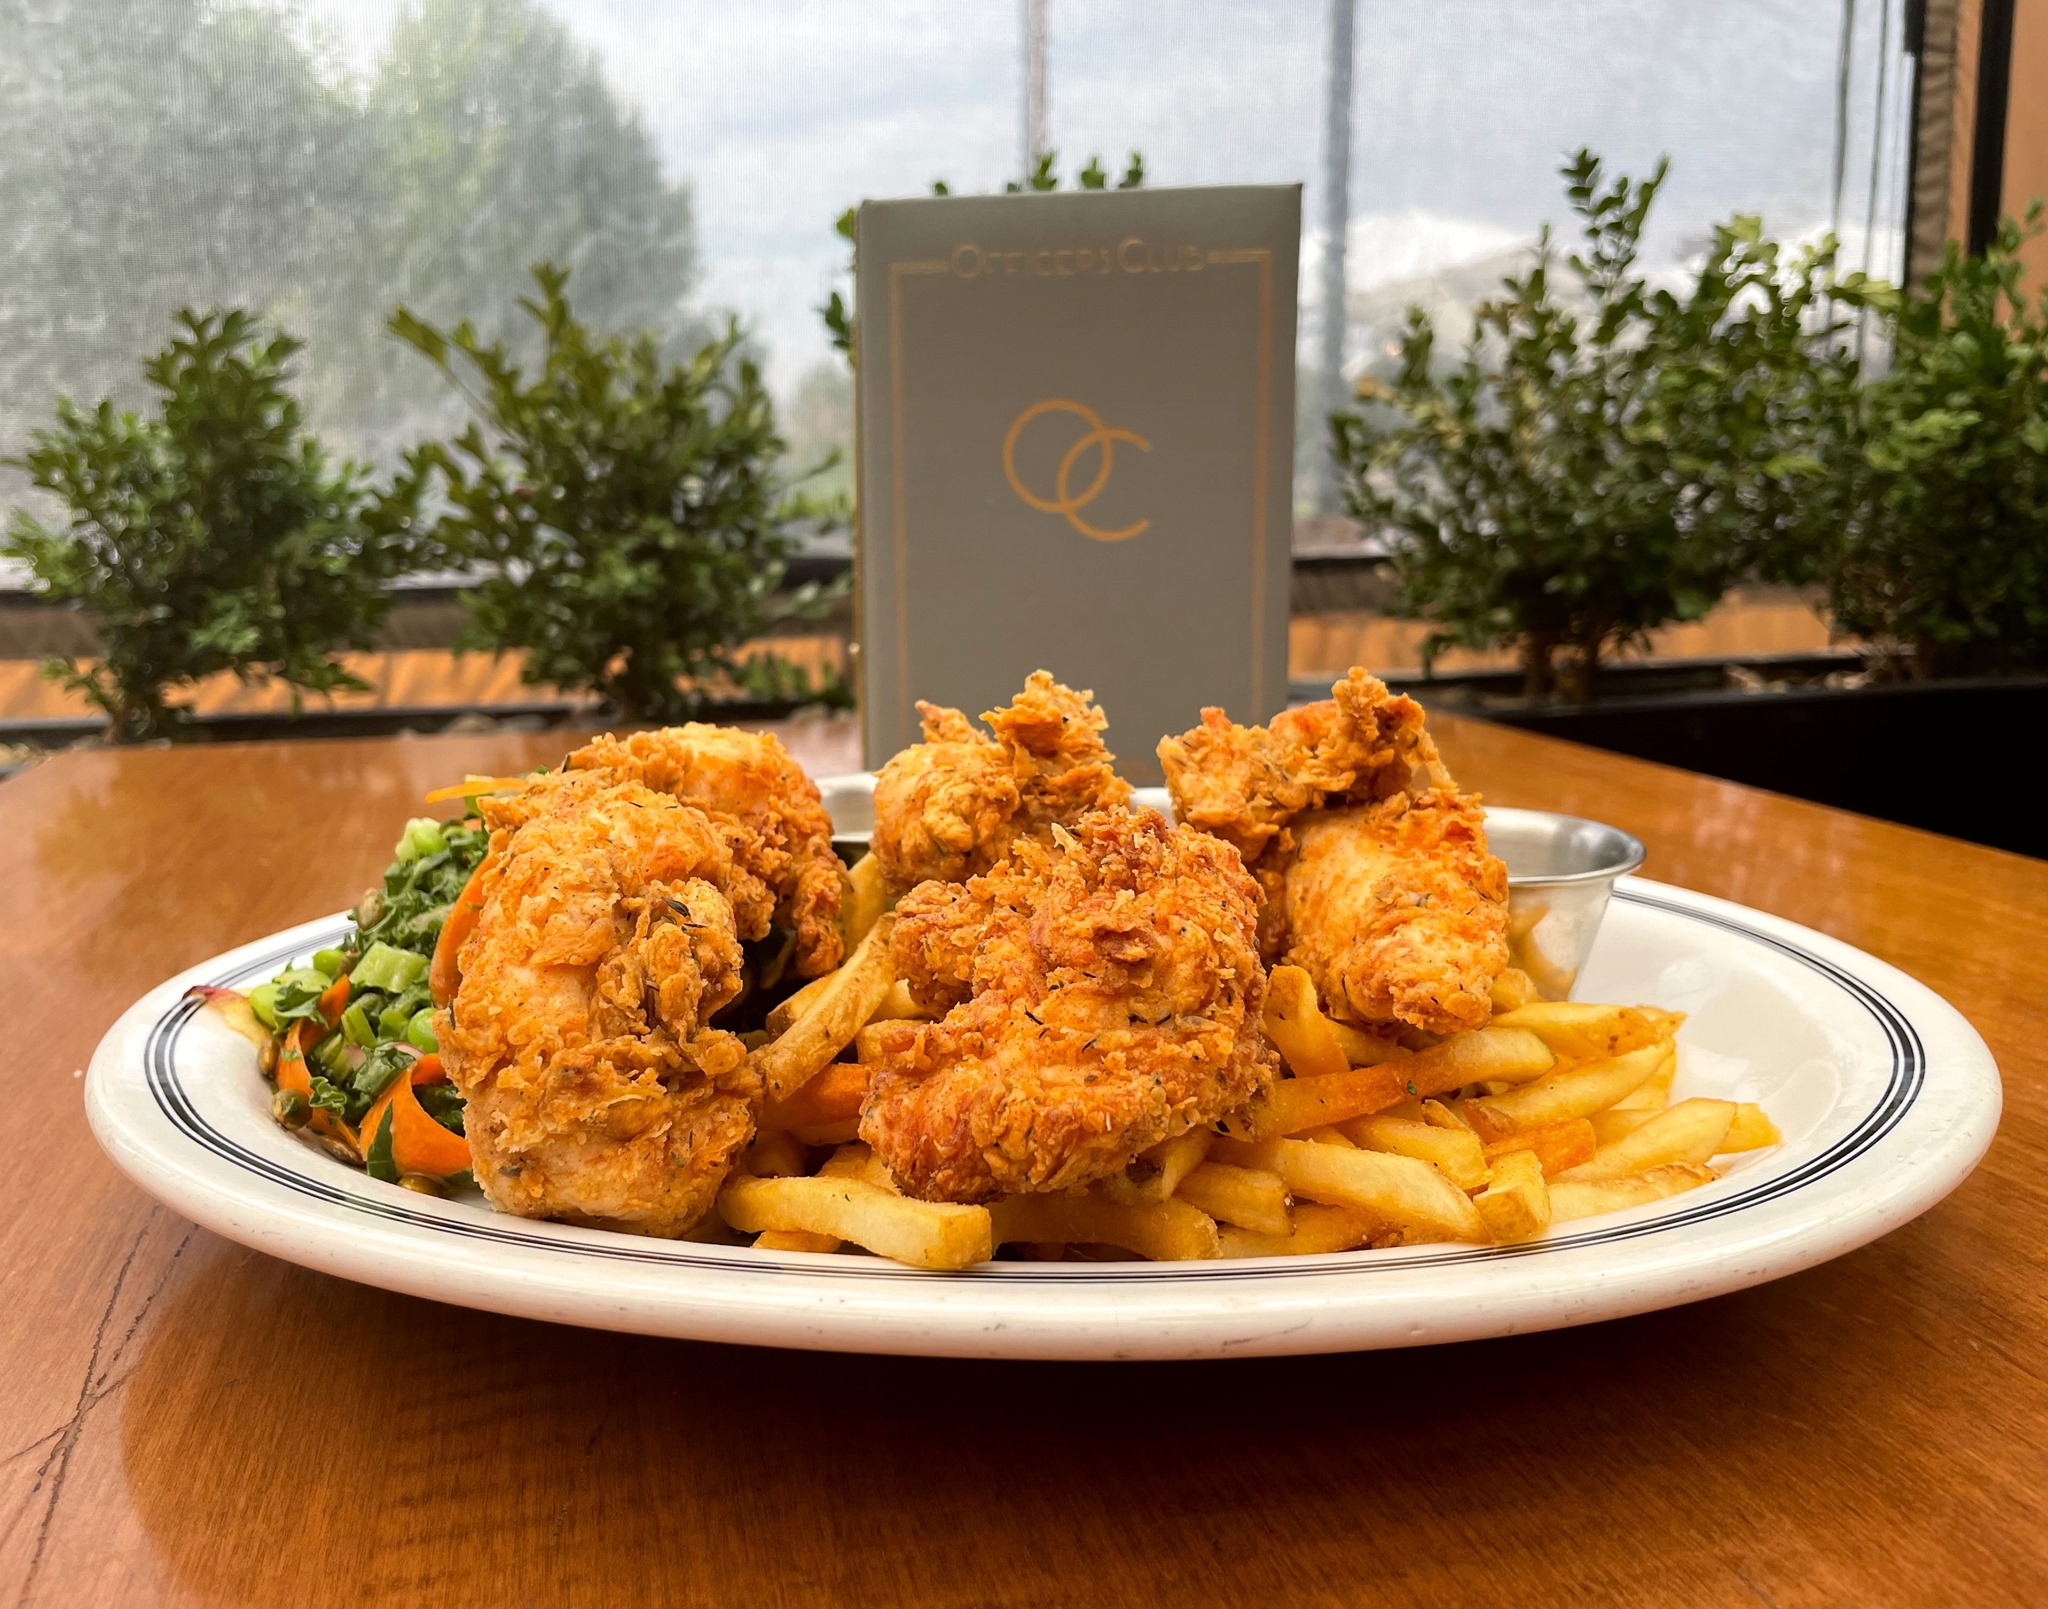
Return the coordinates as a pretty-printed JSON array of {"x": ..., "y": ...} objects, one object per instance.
[{"x": 1886, "y": 1097}]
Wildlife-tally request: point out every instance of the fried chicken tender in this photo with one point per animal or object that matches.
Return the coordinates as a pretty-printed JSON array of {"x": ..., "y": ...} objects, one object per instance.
[
  {"x": 770, "y": 810},
  {"x": 1102, "y": 993},
  {"x": 1375, "y": 867},
  {"x": 579, "y": 1028},
  {"x": 952, "y": 806}
]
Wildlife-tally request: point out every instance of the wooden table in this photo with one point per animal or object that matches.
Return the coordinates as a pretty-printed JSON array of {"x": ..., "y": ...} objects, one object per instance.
[{"x": 183, "y": 1421}]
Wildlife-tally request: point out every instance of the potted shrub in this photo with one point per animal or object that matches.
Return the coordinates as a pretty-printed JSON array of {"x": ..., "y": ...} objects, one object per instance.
[
  {"x": 212, "y": 536},
  {"x": 626, "y": 512},
  {"x": 1936, "y": 553},
  {"x": 1607, "y": 456}
]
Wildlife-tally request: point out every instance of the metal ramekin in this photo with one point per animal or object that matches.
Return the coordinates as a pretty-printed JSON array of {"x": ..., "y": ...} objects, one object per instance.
[{"x": 1561, "y": 870}]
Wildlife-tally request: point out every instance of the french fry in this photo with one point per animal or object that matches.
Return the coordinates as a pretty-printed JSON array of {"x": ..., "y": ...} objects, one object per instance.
[
  {"x": 784, "y": 1012},
  {"x": 1295, "y": 1104},
  {"x": 794, "y": 1240},
  {"x": 1164, "y": 1231},
  {"x": 1572, "y": 1092},
  {"x": 1691, "y": 1131},
  {"x": 1294, "y": 1021},
  {"x": 1251, "y": 1198},
  {"x": 1316, "y": 1229},
  {"x": 1362, "y": 1048},
  {"x": 712, "y": 1230},
  {"x": 1557, "y": 1146},
  {"x": 864, "y": 900},
  {"x": 773, "y": 1155},
  {"x": 1455, "y": 1153},
  {"x": 1444, "y": 1117},
  {"x": 1579, "y": 1031},
  {"x": 1515, "y": 1204},
  {"x": 1511, "y": 989},
  {"x": 1328, "y": 1134},
  {"x": 1654, "y": 1093},
  {"x": 1584, "y": 1198},
  {"x": 1157, "y": 1173},
  {"x": 924, "y": 1234},
  {"x": 1513, "y": 1054},
  {"x": 834, "y": 1096},
  {"x": 1612, "y": 1124},
  {"x": 898, "y": 1006},
  {"x": 878, "y": 1041},
  {"x": 828, "y": 1025},
  {"x": 856, "y": 1161},
  {"x": 1407, "y": 1194},
  {"x": 1751, "y": 1129}
]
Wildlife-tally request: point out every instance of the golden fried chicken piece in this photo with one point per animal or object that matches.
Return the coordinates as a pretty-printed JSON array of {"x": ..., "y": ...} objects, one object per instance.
[
  {"x": 1398, "y": 912},
  {"x": 951, "y": 806},
  {"x": 1103, "y": 992},
  {"x": 1375, "y": 866},
  {"x": 750, "y": 785},
  {"x": 579, "y": 1028}
]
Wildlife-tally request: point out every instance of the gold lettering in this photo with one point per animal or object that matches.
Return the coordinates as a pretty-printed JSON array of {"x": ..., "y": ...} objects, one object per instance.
[
  {"x": 1130, "y": 256},
  {"x": 1015, "y": 261},
  {"x": 967, "y": 260},
  {"x": 1041, "y": 261},
  {"x": 1063, "y": 259}
]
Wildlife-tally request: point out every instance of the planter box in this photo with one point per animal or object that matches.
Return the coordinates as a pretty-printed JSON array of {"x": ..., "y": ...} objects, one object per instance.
[
  {"x": 315, "y": 725},
  {"x": 1949, "y": 756}
]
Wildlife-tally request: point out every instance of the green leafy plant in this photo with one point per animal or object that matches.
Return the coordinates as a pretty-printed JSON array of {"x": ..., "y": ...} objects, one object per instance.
[
  {"x": 627, "y": 510},
  {"x": 1607, "y": 455},
  {"x": 1044, "y": 176},
  {"x": 213, "y": 536},
  {"x": 1939, "y": 557},
  {"x": 776, "y": 679}
]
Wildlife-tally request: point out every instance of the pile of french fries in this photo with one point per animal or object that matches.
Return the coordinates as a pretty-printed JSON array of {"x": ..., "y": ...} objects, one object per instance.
[{"x": 1556, "y": 1110}]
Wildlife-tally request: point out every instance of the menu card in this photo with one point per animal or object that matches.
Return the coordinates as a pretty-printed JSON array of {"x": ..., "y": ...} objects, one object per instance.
[{"x": 1075, "y": 450}]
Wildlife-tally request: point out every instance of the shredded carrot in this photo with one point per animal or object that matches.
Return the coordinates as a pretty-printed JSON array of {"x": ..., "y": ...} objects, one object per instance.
[
  {"x": 445, "y": 970},
  {"x": 834, "y": 1096},
  {"x": 334, "y": 1001},
  {"x": 294, "y": 1075},
  {"x": 472, "y": 786},
  {"x": 418, "y": 1143}
]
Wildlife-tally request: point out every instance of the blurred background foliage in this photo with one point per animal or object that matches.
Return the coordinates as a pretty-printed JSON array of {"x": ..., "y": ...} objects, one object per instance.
[{"x": 484, "y": 139}]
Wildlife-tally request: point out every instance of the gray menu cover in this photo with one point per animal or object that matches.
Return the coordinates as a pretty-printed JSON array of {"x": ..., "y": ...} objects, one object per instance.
[{"x": 1076, "y": 449}]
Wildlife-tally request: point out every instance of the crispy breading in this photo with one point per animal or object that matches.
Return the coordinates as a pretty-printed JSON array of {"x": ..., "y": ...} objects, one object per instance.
[
  {"x": 951, "y": 806},
  {"x": 771, "y": 811},
  {"x": 1396, "y": 910},
  {"x": 578, "y": 1033},
  {"x": 1375, "y": 868},
  {"x": 1104, "y": 990}
]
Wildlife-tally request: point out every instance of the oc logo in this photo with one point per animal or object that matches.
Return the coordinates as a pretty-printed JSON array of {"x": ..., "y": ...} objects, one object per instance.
[{"x": 1066, "y": 501}]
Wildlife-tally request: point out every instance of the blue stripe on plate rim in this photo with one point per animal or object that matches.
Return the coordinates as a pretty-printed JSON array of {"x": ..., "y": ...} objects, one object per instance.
[{"x": 1908, "y": 1074}]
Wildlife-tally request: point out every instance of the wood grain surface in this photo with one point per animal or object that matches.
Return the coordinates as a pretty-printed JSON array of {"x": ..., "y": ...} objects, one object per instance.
[{"x": 183, "y": 1421}]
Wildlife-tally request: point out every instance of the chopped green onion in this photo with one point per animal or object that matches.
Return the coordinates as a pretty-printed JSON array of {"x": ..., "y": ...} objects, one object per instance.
[
  {"x": 394, "y": 971},
  {"x": 355, "y": 1023},
  {"x": 423, "y": 836},
  {"x": 420, "y": 1032},
  {"x": 331, "y": 1056}
]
